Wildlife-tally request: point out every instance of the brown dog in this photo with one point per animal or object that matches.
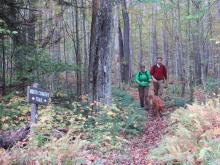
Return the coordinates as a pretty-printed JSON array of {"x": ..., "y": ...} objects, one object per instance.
[{"x": 157, "y": 105}]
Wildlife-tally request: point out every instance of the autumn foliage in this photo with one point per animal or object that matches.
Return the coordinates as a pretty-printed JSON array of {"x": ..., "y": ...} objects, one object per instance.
[{"x": 192, "y": 136}]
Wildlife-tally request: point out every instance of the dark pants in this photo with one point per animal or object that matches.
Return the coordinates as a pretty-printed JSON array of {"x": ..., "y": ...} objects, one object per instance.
[{"x": 143, "y": 94}]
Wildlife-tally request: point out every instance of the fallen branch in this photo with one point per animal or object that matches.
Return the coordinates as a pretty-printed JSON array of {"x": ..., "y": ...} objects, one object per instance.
[{"x": 10, "y": 138}]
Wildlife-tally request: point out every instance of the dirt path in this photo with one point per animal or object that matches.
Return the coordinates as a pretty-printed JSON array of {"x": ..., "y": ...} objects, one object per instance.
[
  {"x": 138, "y": 148},
  {"x": 153, "y": 132}
]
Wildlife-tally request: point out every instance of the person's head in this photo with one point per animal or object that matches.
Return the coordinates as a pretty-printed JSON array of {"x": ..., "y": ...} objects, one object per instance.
[
  {"x": 142, "y": 68},
  {"x": 159, "y": 60}
]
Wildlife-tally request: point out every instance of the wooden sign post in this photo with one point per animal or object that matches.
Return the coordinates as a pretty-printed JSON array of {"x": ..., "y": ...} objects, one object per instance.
[{"x": 36, "y": 96}]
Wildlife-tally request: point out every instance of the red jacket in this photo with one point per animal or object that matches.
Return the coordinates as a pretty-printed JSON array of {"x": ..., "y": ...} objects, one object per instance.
[{"x": 159, "y": 73}]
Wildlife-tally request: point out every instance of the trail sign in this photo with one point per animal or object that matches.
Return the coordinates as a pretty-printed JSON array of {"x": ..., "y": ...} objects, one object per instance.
[{"x": 37, "y": 95}]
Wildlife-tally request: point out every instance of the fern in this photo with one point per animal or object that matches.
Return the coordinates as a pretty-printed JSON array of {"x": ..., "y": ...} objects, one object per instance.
[{"x": 192, "y": 137}]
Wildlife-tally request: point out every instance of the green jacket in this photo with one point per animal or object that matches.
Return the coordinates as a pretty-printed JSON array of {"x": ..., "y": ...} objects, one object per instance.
[{"x": 143, "y": 79}]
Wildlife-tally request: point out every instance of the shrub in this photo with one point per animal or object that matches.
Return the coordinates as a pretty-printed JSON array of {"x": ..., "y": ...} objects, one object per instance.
[
  {"x": 213, "y": 86},
  {"x": 57, "y": 151},
  {"x": 193, "y": 136}
]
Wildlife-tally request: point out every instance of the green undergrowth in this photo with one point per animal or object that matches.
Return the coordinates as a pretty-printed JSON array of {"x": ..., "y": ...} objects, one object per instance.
[
  {"x": 98, "y": 130},
  {"x": 14, "y": 112},
  {"x": 209, "y": 90}
]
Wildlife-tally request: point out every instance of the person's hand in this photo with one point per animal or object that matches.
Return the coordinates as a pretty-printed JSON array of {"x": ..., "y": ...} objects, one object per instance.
[
  {"x": 154, "y": 80},
  {"x": 166, "y": 84},
  {"x": 141, "y": 84},
  {"x": 144, "y": 83}
]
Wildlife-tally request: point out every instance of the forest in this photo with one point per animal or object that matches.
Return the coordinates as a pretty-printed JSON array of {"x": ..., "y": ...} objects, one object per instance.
[{"x": 89, "y": 55}]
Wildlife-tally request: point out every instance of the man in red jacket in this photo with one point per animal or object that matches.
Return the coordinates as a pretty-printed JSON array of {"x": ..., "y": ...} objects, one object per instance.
[{"x": 159, "y": 76}]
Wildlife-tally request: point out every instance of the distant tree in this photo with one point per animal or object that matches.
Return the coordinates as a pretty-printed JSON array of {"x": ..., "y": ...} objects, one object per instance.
[{"x": 126, "y": 65}]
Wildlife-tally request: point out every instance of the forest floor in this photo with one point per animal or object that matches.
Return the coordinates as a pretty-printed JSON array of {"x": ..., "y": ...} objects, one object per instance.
[
  {"x": 150, "y": 138},
  {"x": 138, "y": 148}
]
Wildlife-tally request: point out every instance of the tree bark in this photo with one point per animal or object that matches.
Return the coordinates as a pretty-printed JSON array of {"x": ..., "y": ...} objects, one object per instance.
[
  {"x": 78, "y": 56},
  {"x": 3, "y": 68},
  {"x": 179, "y": 51},
  {"x": 121, "y": 53},
  {"x": 10, "y": 138},
  {"x": 117, "y": 60},
  {"x": 154, "y": 45},
  {"x": 190, "y": 58},
  {"x": 55, "y": 50},
  {"x": 165, "y": 41},
  {"x": 95, "y": 8},
  {"x": 31, "y": 21},
  {"x": 100, "y": 52},
  {"x": 126, "y": 45},
  {"x": 85, "y": 46},
  {"x": 140, "y": 54},
  {"x": 196, "y": 47}
]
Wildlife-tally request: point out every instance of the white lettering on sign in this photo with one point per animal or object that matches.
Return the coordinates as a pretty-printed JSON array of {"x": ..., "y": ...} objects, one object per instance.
[
  {"x": 38, "y": 96},
  {"x": 39, "y": 99},
  {"x": 40, "y": 93}
]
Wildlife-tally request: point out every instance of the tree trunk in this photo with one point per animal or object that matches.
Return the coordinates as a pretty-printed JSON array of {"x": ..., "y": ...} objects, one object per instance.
[
  {"x": 78, "y": 56},
  {"x": 154, "y": 46},
  {"x": 100, "y": 51},
  {"x": 126, "y": 46},
  {"x": 190, "y": 59},
  {"x": 3, "y": 68},
  {"x": 196, "y": 47},
  {"x": 55, "y": 50},
  {"x": 165, "y": 41},
  {"x": 206, "y": 28},
  {"x": 95, "y": 8},
  {"x": 179, "y": 51},
  {"x": 140, "y": 54},
  {"x": 86, "y": 80},
  {"x": 66, "y": 57},
  {"x": 121, "y": 53},
  {"x": 32, "y": 20},
  {"x": 117, "y": 61}
]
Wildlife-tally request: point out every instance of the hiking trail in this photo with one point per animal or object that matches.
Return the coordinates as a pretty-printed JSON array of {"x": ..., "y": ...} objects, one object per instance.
[{"x": 138, "y": 147}]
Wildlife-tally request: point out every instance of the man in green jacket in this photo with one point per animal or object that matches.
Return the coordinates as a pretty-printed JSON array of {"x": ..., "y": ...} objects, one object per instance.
[{"x": 143, "y": 79}]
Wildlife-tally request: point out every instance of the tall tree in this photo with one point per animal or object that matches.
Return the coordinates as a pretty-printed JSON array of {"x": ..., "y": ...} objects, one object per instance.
[
  {"x": 197, "y": 43},
  {"x": 154, "y": 44},
  {"x": 85, "y": 46},
  {"x": 165, "y": 39},
  {"x": 3, "y": 68},
  {"x": 140, "y": 52},
  {"x": 126, "y": 44},
  {"x": 77, "y": 51},
  {"x": 54, "y": 47},
  {"x": 117, "y": 60},
  {"x": 31, "y": 22},
  {"x": 100, "y": 50},
  {"x": 121, "y": 52},
  {"x": 179, "y": 49}
]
